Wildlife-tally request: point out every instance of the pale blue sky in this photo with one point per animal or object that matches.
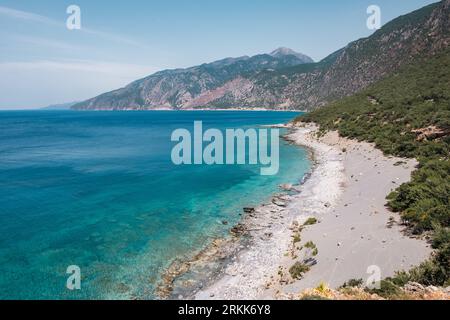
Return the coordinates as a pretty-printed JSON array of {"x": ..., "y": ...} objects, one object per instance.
[{"x": 41, "y": 62}]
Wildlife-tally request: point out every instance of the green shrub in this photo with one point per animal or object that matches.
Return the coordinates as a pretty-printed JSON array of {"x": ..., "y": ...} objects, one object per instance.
[
  {"x": 312, "y": 246},
  {"x": 441, "y": 237},
  {"x": 310, "y": 221},
  {"x": 352, "y": 283},
  {"x": 298, "y": 270},
  {"x": 432, "y": 272},
  {"x": 387, "y": 289},
  {"x": 296, "y": 238}
]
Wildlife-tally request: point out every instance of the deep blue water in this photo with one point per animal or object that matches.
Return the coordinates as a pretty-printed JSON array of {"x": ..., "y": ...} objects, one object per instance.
[{"x": 99, "y": 190}]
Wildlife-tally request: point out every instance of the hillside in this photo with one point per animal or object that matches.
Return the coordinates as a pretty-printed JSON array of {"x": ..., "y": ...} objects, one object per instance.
[
  {"x": 61, "y": 106},
  {"x": 421, "y": 33},
  {"x": 286, "y": 80},
  {"x": 408, "y": 115},
  {"x": 188, "y": 88}
]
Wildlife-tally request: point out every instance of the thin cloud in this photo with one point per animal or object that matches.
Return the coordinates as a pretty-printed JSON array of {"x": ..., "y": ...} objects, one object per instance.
[
  {"x": 113, "y": 37},
  {"x": 120, "y": 70},
  {"x": 38, "y": 41},
  {"x": 37, "y": 18},
  {"x": 27, "y": 16},
  {"x": 50, "y": 81}
]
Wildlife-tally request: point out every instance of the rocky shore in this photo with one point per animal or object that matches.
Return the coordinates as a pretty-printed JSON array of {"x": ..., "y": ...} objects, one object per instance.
[{"x": 330, "y": 228}]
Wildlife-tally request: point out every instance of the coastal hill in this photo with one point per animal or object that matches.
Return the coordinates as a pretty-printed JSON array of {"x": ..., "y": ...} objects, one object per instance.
[
  {"x": 285, "y": 79},
  {"x": 195, "y": 86},
  {"x": 407, "y": 114},
  {"x": 61, "y": 106}
]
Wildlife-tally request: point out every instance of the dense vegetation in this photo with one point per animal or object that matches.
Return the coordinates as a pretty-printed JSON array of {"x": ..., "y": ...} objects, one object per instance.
[{"x": 394, "y": 114}]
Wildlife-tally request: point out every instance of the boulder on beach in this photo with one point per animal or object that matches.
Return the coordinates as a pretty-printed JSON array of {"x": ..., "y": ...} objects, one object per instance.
[{"x": 278, "y": 202}]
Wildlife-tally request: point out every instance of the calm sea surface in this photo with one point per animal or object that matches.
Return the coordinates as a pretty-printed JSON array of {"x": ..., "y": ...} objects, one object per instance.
[{"x": 98, "y": 190}]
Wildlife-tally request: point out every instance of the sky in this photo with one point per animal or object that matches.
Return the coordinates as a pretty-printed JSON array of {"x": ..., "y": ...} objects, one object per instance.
[{"x": 42, "y": 62}]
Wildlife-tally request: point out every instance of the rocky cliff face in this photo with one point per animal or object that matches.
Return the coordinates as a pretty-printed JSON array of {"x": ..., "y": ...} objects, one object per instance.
[
  {"x": 192, "y": 87},
  {"x": 285, "y": 79}
]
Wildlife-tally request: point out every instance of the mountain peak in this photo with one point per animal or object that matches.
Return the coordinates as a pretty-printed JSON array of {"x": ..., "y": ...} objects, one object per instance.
[{"x": 283, "y": 51}]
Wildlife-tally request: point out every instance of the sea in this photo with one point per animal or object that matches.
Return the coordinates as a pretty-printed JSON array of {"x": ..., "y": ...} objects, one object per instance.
[{"x": 98, "y": 191}]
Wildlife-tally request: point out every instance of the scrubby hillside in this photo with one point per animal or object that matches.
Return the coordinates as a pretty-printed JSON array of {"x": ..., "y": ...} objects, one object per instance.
[{"x": 408, "y": 115}]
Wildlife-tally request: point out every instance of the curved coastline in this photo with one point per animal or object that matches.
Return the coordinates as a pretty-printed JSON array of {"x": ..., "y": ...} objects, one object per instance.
[
  {"x": 257, "y": 271},
  {"x": 184, "y": 279},
  {"x": 254, "y": 262}
]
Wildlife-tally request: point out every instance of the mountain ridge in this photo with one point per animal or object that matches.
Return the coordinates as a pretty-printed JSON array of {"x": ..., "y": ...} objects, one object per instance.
[
  {"x": 175, "y": 87},
  {"x": 282, "y": 80},
  {"x": 60, "y": 106}
]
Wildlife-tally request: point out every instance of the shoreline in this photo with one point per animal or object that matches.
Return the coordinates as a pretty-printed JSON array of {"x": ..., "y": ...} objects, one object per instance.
[
  {"x": 181, "y": 279},
  {"x": 349, "y": 238}
]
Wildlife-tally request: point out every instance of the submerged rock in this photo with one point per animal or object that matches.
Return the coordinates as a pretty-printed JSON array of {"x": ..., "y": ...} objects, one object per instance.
[
  {"x": 249, "y": 210},
  {"x": 286, "y": 187},
  {"x": 238, "y": 230}
]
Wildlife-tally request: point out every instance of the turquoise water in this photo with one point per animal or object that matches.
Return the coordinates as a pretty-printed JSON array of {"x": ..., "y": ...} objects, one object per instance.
[{"x": 99, "y": 190}]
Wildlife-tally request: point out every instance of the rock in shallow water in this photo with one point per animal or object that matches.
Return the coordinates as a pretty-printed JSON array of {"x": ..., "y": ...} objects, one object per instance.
[{"x": 286, "y": 187}]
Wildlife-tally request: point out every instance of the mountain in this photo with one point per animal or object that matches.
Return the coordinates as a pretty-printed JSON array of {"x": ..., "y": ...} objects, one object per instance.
[
  {"x": 280, "y": 52},
  {"x": 192, "y": 87},
  {"x": 282, "y": 79},
  {"x": 61, "y": 106},
  {"x": 421, "y": 33}
]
